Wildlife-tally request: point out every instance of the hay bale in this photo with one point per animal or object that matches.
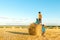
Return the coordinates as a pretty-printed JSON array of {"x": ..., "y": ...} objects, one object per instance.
[
  {"x": 35, "y": 29},
  {"x": 32, "y": 29},
  {"x": 39, "y": 29}
]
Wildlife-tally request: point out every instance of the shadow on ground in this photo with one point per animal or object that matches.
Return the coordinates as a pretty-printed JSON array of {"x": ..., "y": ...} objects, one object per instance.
[{"x": 18, "y": 33}]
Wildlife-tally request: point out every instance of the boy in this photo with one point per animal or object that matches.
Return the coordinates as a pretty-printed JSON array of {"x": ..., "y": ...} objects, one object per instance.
[{"x": 43, "y": 30}]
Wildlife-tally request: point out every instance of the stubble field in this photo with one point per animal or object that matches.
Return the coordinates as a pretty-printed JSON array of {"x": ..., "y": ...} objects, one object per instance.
[{"x": 20, "y": 33}]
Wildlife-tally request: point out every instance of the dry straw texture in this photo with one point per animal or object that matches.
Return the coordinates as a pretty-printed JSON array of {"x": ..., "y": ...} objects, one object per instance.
[
  {"x": 35, "y": 29},
  {"x": 32, "y": 29},
  {"x": 15, "y": 33}
]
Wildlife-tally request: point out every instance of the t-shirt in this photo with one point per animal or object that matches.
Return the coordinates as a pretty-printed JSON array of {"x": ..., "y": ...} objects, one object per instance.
[{"x": 43, "y": 29}]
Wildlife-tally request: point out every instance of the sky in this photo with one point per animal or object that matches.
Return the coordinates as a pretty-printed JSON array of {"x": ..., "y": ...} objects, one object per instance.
[{"x": 24, "y": 12}]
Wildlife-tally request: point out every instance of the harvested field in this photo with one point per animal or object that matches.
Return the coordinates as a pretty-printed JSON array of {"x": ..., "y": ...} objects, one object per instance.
[{"x": 19, "y": 33}]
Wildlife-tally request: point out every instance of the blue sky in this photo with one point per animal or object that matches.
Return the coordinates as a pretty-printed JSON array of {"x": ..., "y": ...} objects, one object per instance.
[{"x": 24, "y": 12}]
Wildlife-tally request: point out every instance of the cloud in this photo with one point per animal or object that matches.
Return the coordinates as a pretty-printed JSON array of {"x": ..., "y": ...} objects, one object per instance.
[
  {"x": 52, "y": 21},
  {"x": 13, "y": 21}
]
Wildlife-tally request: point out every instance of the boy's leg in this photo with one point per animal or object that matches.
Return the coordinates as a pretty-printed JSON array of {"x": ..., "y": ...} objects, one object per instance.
[{"x": 43, "y": 34}]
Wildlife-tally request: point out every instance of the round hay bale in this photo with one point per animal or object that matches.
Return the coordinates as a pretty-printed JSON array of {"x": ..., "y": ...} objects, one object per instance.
[
  {"x": 32, "y": 29},
  {"x": 35, "y": 29}
]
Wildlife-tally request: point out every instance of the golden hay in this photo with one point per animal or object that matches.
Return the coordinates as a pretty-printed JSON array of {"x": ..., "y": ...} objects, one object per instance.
[
  {"x": 39, "y": 29},
  {"x": 32, "y": 29},
  {"x": 35, "y": 29},
  {"x": 20, "y": 34}
]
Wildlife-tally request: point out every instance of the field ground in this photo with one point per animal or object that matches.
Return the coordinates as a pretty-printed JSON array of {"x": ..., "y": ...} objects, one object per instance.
[{"x": 19, "y": 33}]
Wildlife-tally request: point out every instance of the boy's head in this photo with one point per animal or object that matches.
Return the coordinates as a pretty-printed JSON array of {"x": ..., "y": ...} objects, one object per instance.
[
  {"x": 39, "y": 12},
  {"x": 43, "y": 25}
]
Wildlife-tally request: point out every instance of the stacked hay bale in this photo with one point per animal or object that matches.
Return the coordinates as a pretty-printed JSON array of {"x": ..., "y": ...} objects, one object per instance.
[
  {"x": 35, "y": 29},
  {"x": 32, "y": 29}
]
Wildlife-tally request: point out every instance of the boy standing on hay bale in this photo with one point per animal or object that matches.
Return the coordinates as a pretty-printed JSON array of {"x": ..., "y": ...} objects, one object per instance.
[{"x": 40, "y": 17}]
